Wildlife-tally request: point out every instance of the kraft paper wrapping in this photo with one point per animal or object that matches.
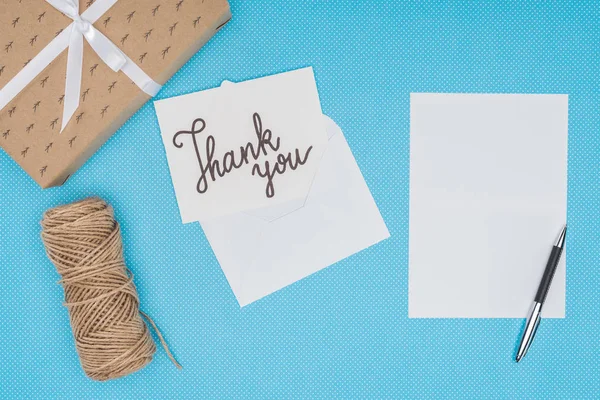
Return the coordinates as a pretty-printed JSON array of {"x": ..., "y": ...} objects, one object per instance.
[{"x": 159, "y": 35}]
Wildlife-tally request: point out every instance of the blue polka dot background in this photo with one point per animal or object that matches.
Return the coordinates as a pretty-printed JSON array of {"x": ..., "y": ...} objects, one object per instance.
[{"x": 343, "y": 332}]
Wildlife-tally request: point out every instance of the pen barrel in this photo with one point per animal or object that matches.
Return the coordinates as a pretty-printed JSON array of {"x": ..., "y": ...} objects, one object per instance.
[{"x": 542, "y": 292}]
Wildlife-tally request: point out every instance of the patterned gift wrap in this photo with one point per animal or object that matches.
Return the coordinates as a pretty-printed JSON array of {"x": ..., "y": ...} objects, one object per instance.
[{"x": 158, "y": 35}]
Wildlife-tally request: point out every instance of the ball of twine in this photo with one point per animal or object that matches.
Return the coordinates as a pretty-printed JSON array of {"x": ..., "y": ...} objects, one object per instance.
[{"x": 83, "y": 241}]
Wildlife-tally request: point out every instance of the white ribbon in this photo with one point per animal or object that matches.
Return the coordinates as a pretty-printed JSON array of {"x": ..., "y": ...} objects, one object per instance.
[{"x": 72, "y": 37}]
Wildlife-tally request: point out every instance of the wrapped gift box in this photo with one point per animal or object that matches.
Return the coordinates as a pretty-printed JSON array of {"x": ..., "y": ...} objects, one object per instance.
[{"x": 158, "y": 35}]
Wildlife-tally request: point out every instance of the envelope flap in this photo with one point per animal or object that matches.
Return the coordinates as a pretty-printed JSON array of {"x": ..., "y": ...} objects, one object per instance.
[{"x": 277, "y": 211}]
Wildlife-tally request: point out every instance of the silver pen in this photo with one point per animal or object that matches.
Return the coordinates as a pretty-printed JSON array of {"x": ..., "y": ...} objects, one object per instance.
[{"x": 536, "y": 310}]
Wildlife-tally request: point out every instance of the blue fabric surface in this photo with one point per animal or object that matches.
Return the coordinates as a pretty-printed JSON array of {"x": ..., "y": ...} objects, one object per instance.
[{"x": 344, "y": 332}]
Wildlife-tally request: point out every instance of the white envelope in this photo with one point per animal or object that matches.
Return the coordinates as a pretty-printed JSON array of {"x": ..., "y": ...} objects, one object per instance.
[{"x": 265, "y": 250}]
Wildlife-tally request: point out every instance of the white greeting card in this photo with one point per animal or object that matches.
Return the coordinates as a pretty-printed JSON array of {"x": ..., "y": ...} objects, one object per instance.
[
  {"x": 252, "y": 145},
  {"x": 488, "y": 198}
]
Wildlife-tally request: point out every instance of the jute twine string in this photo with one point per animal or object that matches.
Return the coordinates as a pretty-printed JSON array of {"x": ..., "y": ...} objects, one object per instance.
[{"x": 83, "y": 241}]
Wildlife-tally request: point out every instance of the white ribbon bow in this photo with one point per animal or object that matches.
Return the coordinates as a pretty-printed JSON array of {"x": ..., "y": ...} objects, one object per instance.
[{"x": 72, "y": 37}]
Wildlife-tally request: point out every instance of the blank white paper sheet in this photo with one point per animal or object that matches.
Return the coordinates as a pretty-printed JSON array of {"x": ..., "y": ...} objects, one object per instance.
[{"x": 488, "y": 198}]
